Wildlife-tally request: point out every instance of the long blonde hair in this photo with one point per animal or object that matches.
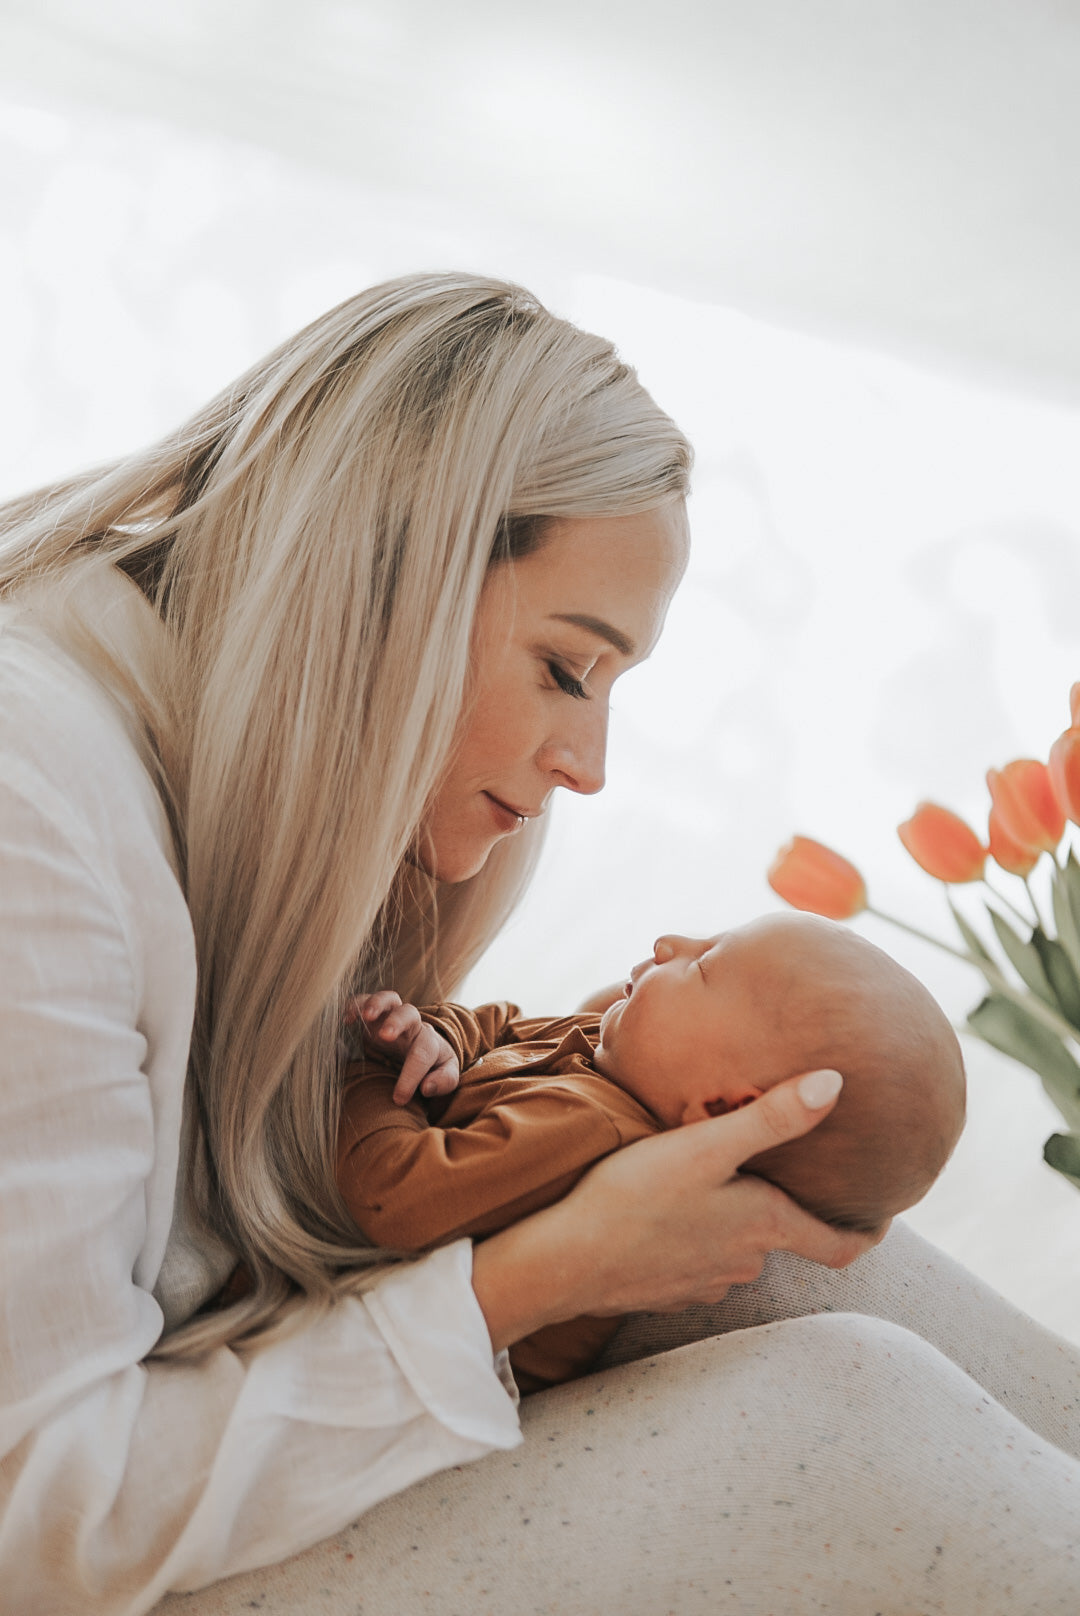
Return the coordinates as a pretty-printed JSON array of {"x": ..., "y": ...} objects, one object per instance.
[{"x": 315, "y": 542}]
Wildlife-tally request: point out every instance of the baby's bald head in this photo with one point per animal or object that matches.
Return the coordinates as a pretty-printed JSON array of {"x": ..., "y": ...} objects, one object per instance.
[
  {"x": 708, "y": 1024},
  {"x": 838, "y": 1001}
]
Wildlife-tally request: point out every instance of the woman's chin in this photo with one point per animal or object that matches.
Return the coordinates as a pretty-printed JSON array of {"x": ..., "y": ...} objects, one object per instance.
[{"x": 451, "y": 866}]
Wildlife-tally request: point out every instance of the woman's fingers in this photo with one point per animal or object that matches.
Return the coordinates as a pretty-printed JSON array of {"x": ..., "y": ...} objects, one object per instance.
[
  {"x": 672, "y": 1219},
  {"x": 785, "y": 1112},
  {"x": 795, "y": 1229},
  {"x": 781, "y": 1113}
]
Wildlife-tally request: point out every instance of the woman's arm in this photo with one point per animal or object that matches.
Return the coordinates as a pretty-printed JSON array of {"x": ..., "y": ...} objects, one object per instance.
[
  {"x": 121, "y": 1478},
  {"x": 661, "y": 1224}
]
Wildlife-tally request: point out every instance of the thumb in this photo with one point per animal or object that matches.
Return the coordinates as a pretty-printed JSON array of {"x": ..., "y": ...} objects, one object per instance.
[{"x": 784, "y": 1112}]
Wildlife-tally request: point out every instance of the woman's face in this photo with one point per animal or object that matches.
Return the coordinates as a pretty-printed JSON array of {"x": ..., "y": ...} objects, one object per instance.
[{"x": 552, "y": 634}]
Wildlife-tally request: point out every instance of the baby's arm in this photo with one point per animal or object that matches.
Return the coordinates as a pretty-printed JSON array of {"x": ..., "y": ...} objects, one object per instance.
[{"x": 409, "y": 1185}]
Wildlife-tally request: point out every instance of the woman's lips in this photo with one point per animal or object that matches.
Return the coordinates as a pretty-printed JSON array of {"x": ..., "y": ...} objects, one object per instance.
[{"x": 505, "y": 817}]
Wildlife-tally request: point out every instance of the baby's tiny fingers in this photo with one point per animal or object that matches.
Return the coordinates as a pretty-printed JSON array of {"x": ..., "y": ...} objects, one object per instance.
[
  {"x": 427, "y": 1057},
  {"x": 402, "y": 1020},
  {"x": 370, "y": 1006},
  {"x": 443, "y": 1080}
]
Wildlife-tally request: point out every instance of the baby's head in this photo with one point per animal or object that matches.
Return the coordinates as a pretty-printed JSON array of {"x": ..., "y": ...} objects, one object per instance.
[{"x": 706, "y": 1026}]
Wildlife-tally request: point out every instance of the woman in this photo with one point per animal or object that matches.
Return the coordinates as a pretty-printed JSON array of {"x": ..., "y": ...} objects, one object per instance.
[{"x": 286, "y": 697}]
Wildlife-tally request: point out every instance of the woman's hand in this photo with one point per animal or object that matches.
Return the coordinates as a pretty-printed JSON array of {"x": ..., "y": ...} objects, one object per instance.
[
  {"x": 663, "y": 1223},
  {"x": 428, "y": 1062}
]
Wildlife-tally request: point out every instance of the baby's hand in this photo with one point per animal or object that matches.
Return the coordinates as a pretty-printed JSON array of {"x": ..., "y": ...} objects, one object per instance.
[{"x": 428, "y": 1062}]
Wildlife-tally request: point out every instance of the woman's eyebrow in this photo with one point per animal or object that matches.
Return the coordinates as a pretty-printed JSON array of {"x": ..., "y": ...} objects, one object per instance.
[{"x": 597, "y": 626}]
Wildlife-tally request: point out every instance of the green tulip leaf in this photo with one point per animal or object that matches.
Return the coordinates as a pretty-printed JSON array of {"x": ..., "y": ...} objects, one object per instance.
[
  {"x": 1069, "y": 879},
  {"x": 1024, "y": 958},
  {"x": 972, "y": 941},
  {"x": 1067, "y": 929},
  {"x": 1062, "y": 1152},
  {"x": 1016, "y": 1032},
  {"x": 1059, "y": 973}
]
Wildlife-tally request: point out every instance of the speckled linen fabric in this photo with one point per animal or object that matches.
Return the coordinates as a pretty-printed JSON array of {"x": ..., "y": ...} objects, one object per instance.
[{"x": 909, "y": 1445}]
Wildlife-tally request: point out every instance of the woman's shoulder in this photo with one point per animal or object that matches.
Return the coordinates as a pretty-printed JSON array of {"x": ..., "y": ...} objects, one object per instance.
[
  {"x": 68, "y": 752},
  {"x": 93, "y": 926}
]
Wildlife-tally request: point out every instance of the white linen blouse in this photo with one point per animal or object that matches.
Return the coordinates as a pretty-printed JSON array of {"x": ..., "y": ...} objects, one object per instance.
[{"x": 121, "y": 1480}]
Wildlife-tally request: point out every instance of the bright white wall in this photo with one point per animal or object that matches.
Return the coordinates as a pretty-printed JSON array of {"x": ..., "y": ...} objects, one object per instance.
[{"x": 881, "y": 601}]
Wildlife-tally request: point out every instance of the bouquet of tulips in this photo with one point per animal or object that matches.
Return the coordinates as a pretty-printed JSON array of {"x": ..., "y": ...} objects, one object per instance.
[{"x": 1031, "y": 1009}]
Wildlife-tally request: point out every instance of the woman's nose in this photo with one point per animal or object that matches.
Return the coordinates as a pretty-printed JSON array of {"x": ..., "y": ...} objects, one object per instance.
[{"x": 576, "y": 758}]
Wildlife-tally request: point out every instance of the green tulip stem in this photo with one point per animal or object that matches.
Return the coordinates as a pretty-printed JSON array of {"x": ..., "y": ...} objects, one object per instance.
[
  {"x": 1025, "y": 920},
  {"x": 924, "y": 936},
  {"x": 1038, "y": 917},
  {"x": 1027, "y": 1001}
]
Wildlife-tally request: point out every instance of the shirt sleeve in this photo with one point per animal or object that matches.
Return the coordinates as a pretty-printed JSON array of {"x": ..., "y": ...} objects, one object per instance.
[
  {"x": 410, "y": 1184},
  {"x": 121, "y": 1479}
]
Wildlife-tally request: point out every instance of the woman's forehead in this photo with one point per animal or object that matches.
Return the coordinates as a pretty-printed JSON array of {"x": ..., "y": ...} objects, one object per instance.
[{"x": 613, "y": 576}]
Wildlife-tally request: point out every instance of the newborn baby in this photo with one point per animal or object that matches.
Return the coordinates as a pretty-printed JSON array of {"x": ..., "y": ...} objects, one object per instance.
[{"x": 701, "y": 1028}]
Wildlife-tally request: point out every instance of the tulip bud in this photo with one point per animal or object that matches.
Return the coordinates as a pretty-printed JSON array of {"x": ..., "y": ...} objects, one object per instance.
[
  {"x": 1065, "y": 771},
  {"x": 1025, "y": 804},
  {"x": 810, "y": 876},
  {"x": 1006, "y": 853},
  {"x": 942, "y": 844}
]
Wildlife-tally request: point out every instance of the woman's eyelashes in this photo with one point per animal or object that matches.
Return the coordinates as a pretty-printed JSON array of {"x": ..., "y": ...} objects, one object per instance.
[{"x": 567, "y": 682}]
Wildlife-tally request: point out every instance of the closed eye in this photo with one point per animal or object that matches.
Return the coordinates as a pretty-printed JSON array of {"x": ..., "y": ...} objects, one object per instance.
[{"x": 566, "y": 682}]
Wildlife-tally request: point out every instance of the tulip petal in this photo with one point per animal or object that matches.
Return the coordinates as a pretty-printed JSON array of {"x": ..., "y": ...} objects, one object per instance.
[
  {"x": 1064, "y": 766},
  {"x": 810, "y": 876},
  {"x": 1006, "y": 853},
  {"x": 943, "y": 844},
  {"x": 1026, "y": 806}
]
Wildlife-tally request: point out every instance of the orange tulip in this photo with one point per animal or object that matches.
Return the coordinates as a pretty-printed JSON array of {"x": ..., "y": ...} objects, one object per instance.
[
  {"x": 810, "y": 876},
  {"x": 1013, "y": 858},
  {"x": 1065, "y": 771},
  {"x": 942, "y": 844},
  {"x": 1027, "y": 809}
]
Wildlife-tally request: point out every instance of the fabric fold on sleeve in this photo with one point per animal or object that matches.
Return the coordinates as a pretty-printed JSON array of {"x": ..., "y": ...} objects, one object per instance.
[{"x": 440, "y": 1341}]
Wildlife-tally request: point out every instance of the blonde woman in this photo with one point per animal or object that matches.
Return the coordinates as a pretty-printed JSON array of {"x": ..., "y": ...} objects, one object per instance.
[{"x": 282, "y": 703}]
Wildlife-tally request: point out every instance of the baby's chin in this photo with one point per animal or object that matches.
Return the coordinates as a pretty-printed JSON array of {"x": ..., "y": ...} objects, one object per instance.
[{"x": 601, "y": 1055}]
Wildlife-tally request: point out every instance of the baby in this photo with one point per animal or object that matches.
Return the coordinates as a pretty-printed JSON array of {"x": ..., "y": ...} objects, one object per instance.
[{"x": 699, "y": 1029}]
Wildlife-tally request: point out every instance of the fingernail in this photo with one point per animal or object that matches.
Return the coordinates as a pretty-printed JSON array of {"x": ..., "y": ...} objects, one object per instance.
[{"x": 818, "y": 1088}]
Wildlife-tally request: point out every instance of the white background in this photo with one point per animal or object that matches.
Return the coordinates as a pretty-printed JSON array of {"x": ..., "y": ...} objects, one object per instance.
[{"x": 844, "y": 256}]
